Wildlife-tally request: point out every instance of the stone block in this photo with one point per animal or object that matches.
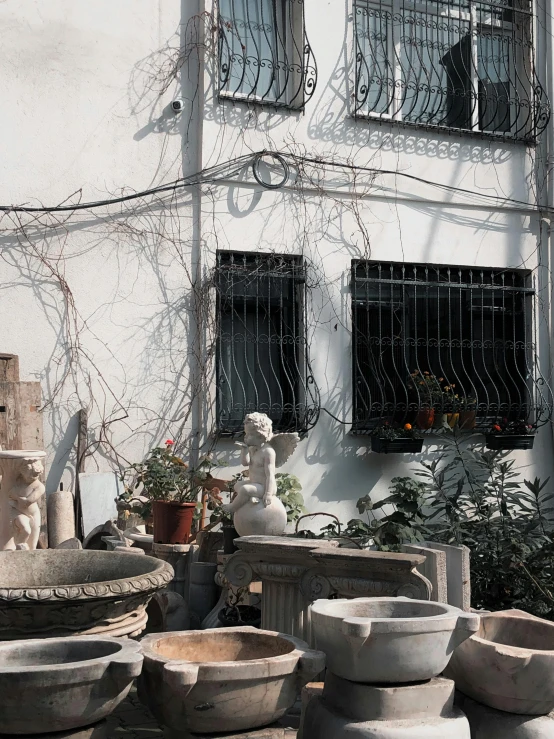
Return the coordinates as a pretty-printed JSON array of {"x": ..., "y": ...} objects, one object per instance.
[
  {"x": 457, "y": 573},
  {"x": 434, "y": 569},
  {"x": 488, "y": 723},
  {"x": 61, "y": 517},
  {"x": 348, "y": 710},
  {"x": 270, "y": 732}
]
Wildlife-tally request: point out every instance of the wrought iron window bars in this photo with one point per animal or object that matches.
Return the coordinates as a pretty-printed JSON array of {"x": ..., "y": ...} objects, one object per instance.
[
  {"x": 264, "y": 53},
  {"x": 431, "y": 341},
  {"x": 262, "y": 354},
  {"x": 466, "y": 65}
]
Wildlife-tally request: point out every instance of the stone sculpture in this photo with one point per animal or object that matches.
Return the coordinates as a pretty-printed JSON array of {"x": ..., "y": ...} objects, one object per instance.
[
  {"x": 256, "y": 508},
  {"x": 19, "y": 495}
]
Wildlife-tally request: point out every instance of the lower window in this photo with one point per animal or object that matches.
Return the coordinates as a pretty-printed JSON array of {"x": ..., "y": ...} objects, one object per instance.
[
  {"x": 430, "y": 340},
  {"x": 262, "y": 357}
]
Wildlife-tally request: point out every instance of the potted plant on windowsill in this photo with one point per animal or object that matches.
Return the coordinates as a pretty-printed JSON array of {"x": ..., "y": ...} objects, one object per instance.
[
  {"x": 389, "y": 439},
  {"x": 171, "y": 489},
  {"x": 507, "y": 434}
]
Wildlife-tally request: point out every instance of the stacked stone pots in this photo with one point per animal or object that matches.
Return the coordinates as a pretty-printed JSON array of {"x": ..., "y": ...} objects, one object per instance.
[
  {"x": 505, "y": 674},
  {"x": 383, "y": 659},
  {"x": 223, "y": 680},
  {"x": 54, "y": 688}
]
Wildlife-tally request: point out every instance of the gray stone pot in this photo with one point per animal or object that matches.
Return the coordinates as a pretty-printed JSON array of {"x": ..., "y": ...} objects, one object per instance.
[
  {"x": 49, "y": 685},
  {"x": 223, "y": 680},
  {"x": 63, "y": 592},
  {"x": 389, "y": 640},
  {"x": 508, "y": 664}
]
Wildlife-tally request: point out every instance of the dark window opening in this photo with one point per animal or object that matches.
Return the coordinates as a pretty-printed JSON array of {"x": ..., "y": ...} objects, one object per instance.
[
  {"x": 262, "y": 358},
  {"x": 451, "y": 339}
]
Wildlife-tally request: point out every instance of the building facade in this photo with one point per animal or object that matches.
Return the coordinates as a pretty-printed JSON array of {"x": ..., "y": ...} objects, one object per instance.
[{"x": 337, "y": 213}]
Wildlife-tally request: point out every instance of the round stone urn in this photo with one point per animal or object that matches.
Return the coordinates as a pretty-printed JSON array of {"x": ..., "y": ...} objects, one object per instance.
[
  {"x": 508, "y": 664},
  {"x": 64, "y": 592},
  {"x": 50, "y": 685},
  {"x": 224, "y": 679},
  {"x": 389, "y": 640}
]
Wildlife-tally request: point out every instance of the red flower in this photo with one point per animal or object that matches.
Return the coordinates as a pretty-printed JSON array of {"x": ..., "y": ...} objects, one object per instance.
[
  {"x": 169, "y": 442},
  {"x": 496, "y": 427}
]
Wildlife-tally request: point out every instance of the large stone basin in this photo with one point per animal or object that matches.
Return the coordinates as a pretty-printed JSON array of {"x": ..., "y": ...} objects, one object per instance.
[
  {"x": 63, "y": 592},
  {"x": 224, "y": 679},
  {"x": 389, "y": 640},
  {"x": 508, "y": 664},
  {"x": 50, "y": 685}
]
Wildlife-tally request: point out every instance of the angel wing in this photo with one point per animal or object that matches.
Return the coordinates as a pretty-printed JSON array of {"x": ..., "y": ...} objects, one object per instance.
[{"x": 284, "y": 445}]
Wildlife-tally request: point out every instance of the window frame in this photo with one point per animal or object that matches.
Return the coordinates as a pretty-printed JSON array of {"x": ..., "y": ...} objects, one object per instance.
[
  {"x": 294, "y": 58},
  {"x": 393, "y": 399},
  {"x": 297, "y": 407},
  {"x": 480, "y": 26}
]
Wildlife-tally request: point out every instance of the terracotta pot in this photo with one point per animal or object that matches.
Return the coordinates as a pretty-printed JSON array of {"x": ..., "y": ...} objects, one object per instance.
[
  {"x": 468, "y": 420},
  {"x": 452, "y": 419},
  {"x": 425, "y": 418},
  {"x": 172, "y": 521}
]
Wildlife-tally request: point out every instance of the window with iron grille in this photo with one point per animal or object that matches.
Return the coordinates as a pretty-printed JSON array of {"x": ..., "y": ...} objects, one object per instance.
[
  {"x": 457, "y": 64},
  {"x": 262, "y": 354},
  {"x": 264, "y": 54},
  {"x": 451, "y": 340}
]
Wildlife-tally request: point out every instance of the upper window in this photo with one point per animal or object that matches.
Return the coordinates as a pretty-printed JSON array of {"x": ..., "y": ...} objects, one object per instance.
[
  {"x": 262, "y": 357},
  {"x": 462, "y": 64},
  {"x": 443, "y": 340},
  {"x": 264, "y": 55}
]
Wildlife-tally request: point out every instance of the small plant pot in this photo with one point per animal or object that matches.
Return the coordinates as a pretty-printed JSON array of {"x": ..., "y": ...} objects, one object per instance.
[
  {"x": 509, "y": 441},
  {"x": 229, "y": 535},
  {"x": 452, "y": 419},
  {"x": 172, "y": 521},
  {"x": 240, "y": 616},
  {"x": 425, "y": 418},
  {"x": 396, "y": 446},
  {"x": 467, "y": 420}
]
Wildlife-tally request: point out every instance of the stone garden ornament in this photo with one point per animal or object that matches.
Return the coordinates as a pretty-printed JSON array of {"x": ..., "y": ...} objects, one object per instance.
[
  {"x": 20, "y": 491},
  {"x": 256, "y": 508}
]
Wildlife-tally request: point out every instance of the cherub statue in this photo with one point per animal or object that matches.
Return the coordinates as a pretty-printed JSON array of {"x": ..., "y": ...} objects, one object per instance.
[
  {"x": 256, "y": 508},
  {"x": 24, "y": 509}
]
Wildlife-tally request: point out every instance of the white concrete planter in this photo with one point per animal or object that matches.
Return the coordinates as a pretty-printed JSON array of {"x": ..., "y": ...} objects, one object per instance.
[
  {"x": 389, "y": 640},
  {"x": 508, "y": 664},
  {"x": 49, "y": 685},
  {"x": 224, "y": 679}
]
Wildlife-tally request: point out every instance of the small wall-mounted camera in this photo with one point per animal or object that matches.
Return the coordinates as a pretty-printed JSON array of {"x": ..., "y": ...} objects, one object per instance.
[{"x": 177, "y": 106}]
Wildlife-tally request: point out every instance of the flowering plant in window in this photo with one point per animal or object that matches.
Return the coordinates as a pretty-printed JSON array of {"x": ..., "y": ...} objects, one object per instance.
[
  {"x": 519, "y": 428},
  {"x": 389, "y": 431}
]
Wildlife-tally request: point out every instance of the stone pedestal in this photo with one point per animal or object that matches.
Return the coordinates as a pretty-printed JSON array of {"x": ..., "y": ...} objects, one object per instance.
[
  {"x": 97, "y": 731},
  {"x": 488, "y": 723},
  {"x": 348, "y": 710},
  {"x": 296, "y": 572},
  {"x": 20, "y": 494},
  {"x": 203, "y": 591},
  {"x": 61, "y": 517},
  {"x": 180, "y": 557}
]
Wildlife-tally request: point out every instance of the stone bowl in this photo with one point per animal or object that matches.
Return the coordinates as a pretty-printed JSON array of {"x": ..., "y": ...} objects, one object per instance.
[
  {"x": 389, "y": 640},
  {"x": 224, "y": 679},
  {"x": 508, "y": 664},
  {"x": 63, "y": 592},
  {"x": 50, "y": 685}
]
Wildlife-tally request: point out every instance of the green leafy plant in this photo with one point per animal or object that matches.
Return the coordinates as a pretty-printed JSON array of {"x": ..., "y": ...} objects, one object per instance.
[
  {"x": 288, "y": 491},
  {"x": 163, "y": 475},
  {"x": 479, "y": 499},
  {"x": 520, "y": 428}
]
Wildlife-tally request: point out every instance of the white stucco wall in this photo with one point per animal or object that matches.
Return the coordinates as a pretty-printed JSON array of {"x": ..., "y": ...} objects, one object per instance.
[{"x": 82, "y": 110}]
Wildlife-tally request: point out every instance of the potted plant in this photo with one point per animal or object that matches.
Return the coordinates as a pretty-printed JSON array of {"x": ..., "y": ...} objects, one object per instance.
[
  {"x": 507, "y": 434},
  {"x": 468, "y": 414},
  {"x": 427, "y": 388},
  {"x": 387, "y": 439},
  {"x": 233, "y": 614},
  {"x": 171, "y": 489}
]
